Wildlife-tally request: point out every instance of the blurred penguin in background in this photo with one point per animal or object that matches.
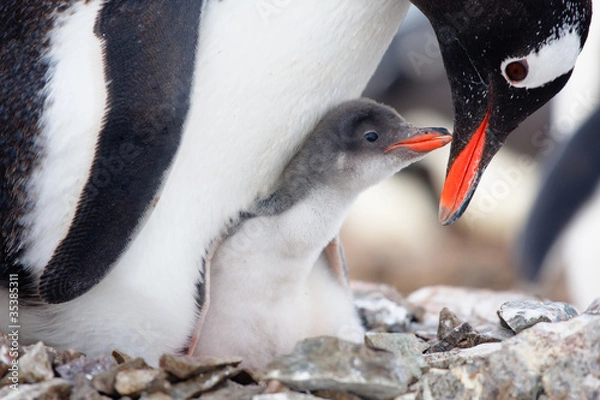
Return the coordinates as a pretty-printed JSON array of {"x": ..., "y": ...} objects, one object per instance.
[
  {"x": 560, "y": 235},
  {"x": 566, "y": 215}
]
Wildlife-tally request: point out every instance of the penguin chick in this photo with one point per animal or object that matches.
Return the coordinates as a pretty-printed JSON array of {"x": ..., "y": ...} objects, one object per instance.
[{"x": 278, "y": 276}]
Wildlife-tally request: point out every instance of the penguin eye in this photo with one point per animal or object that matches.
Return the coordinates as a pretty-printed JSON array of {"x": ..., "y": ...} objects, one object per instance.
[
  {"x": 371, "y": 136},
  {"x": 516, "y": 71}
]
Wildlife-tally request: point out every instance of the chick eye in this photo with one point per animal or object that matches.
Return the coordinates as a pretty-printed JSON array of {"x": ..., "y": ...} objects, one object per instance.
[
  {"x": 371, "y": 136},
  {"x": 516, "y": 71}
]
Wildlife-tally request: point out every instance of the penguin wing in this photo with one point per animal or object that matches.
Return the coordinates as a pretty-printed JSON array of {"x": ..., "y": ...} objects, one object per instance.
[
  {"x": 149, "y": 64},
  {"x": 571, "y": 179},
  {"x": 334, "y": 254}
]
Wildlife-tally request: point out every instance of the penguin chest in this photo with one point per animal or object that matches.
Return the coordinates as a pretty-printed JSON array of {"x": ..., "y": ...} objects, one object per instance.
[{"x": 266, "y": 296}]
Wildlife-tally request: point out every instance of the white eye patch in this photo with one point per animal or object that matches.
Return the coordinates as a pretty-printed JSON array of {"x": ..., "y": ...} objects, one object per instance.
[{"x": 555, "y": 58}]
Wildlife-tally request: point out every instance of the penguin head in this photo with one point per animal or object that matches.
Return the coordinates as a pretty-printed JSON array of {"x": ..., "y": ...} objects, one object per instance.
[
  {"x": 504, "y": 60},
  {"x": 367, "y": 142}
]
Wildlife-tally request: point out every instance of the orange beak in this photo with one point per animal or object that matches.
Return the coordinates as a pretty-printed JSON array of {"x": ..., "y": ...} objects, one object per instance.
[
  {"x": 463, "y": 175},
  {"x": 430, "y": 139}
]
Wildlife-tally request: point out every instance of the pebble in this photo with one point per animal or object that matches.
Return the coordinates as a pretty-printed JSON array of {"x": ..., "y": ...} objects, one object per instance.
[
  {"x": 328, "y": 363},
  {"x": 477, "y": 306},
  {"x": 184, "y": 367},
  {"x": 34, "y": 365},
  {"x": 135, "y": 381},
  {"x": 88, "y": 367},
  {"x": 405, "y": 346},
  {"x": 522, "y": 314},
  {"x": 53, "y": 389},
  {"x": 234, "y": 391},
  {"x": 476, "y": 358},
  {"x": 202, "y": 383},
  {"x": 382, "y": 308}
]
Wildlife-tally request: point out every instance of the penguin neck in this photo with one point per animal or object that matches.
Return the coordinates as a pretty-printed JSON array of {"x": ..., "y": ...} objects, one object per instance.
[{"x": 313, "y": 210}]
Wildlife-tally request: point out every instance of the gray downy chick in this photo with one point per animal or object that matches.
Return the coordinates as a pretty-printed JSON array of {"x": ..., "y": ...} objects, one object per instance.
[{"x": 278, "y": 276}]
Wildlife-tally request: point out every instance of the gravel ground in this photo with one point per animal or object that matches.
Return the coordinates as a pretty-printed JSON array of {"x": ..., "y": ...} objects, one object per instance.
[{"x": 437, "y": 343}]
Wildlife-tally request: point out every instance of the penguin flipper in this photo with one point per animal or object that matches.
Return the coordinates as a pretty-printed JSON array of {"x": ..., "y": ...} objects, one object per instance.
[
  {"x": 570, "y": 181},
  {"x": 149, "y": 65},
  {"x": 334, "y": 254}
]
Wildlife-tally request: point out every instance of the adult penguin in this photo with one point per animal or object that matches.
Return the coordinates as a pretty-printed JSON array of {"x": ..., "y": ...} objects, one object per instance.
[
  {"x": 566, "y": 210},
  {"x": 134, "y": 131}
]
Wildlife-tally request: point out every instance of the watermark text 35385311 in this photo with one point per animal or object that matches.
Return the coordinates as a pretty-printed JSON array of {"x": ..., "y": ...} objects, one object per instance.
[{"x": 13, "y": 329}]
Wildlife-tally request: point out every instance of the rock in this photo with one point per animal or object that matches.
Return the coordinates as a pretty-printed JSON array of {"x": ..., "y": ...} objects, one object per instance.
[
  {"x": 285, "y": 396},
  {"x": 82, "y": 390},
  {"x": 447, "y": 384},
  {"x": 453, "y": 339},
  {"x": 407, "y": 396},
  {"x": 493, "y": 333},
  {"x": 335, "y": 395},
  {"x": 133, "y": 382},
  {"x": 477, "y": 306},
  {"x": 426, "y": 332},
  {"x": 88, "y": 367},
  {"x": 452, "y": 333},
  {"x": 156, "y": 396},
  {"x": 53, "y": 389},
  {"x": 560, "y": 360},
  {"x": 457, "y": 357},
  {"x": 234, "y": 391},
  {"x": 62, "y": 357},
  {"x": 328, "y": 363},
  {"x": 382, "y": 308},
  {"x": 104, "y": 382},
  {"x": 404, "y": 345},
  {"x": 184, "y": 367},
  {"x": 594, "y": 308},
  {"x": 202, "y": 383},
  {"x": 120, "y": 357},
  {"x": 34, "y": 365},
  {"x": 448, "y": 321},
  {"x": 522, "y": 314}
]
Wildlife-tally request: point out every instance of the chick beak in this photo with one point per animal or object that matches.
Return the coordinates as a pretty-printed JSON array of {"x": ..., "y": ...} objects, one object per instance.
[{"x": 426, "y": 140}]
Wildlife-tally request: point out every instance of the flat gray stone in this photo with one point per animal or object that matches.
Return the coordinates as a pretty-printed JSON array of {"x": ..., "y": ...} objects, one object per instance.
[
  {"x": 328, "y": 363},
  {"x": 202, "y": 383},
  {"x": 405, "y": 346},
  {"x": 522, "y": 314},
  {"x": 184, "y": 367},
  {"x": 458, "y": 357},
  {"x": 494, "y": 333}
]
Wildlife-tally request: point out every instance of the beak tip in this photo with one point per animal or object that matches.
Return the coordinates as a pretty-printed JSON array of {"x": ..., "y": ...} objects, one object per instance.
[
  {"x": 449, "y": 215},
  {"x": 445, "y": 215}
]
